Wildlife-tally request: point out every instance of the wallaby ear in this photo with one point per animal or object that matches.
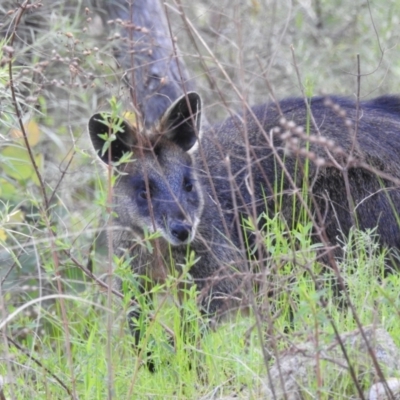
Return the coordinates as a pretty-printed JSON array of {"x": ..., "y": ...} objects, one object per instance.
[
  {"x": 101, "y": 126},
  {"x": 181, "y": 122}
]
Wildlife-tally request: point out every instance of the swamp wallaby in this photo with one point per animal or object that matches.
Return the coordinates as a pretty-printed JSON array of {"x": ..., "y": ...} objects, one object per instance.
[{"x": 195, "y": 186}]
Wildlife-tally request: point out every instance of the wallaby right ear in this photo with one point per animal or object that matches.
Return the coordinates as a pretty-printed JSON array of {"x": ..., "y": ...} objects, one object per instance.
[
  {"x": 181, "y": 122},
  {"x": 101, "y": 126}
]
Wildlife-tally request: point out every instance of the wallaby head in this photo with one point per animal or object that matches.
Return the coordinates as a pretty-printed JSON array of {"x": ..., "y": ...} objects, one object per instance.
[{"x": 157, "y": 189}]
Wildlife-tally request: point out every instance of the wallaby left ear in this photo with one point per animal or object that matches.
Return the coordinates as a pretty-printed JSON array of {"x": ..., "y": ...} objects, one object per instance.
[
  {"x": 181, "y": 122},
  {"x": 101, "y": 126}
]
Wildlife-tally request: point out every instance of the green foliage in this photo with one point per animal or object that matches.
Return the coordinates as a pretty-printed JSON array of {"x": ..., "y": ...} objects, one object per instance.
[{"x": 230, "y": 355}]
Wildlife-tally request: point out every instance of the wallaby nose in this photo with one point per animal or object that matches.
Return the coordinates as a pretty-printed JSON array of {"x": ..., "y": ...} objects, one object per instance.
[{"x": 180, "y": 230}]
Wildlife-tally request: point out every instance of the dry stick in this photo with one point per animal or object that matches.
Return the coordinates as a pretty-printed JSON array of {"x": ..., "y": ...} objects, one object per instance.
[
  {"x": 109, "y": 274},
  {"x": 316, "y": 127},
  {"x": 193, "y": 42},
  {"x": 354, "y": 146},
  {"x": 351, "y": 205},
  {"x": 343, "y": 288},
  {"x": 11, "y": 51},
  {"x": 2, "y": 397},
  {"x": 336, "y": 270},
  {"x": 6, "y": 344},
  {"x": 370, "y": 350},
  {"x": 376, "y": 32},
  {"x": 190, "y": 29},
  {"x": 317, "y": 354},
  {"x": 135, "y": 103},
  {"x": 200, "y": 148},
  {"x": 132, "y": 55},
  {"x": 104, "y": 285},
  {"x": 248, "y": 150},
  {"x": 320, "y": 231},
  {"x": 50, "y": 200},
  {"x": 377, "y": 39},
  {"x": 324, "y": 305},
  {"x": 280, "y": 40},
  {"x": 47, "y": 202},
  {"x": 63, "y": 172},
  {"x": 148, "y": 333},
  {"x": 13, "y": 265},
  {"x": 41, "y": 287},
  {"x": 36, "y": 361},
  {"x": 308, "y": 107},
  {"x": 318, "y": 12},
  {"x": 319, "y": 380},
  {"x": 23, "y": 8},
  {"x": 130, "y": 27},
  {"x": 256, "y": 313},
  {"x": 255, "y": 216},
  {"x": 380, "y": 174},
  {"x": 258, "y": 323},
  {"x": 267, "y": 136},
  {"x": 264, "y": 351},
  {"x": 268, "y": 139},
  {"x": 269, "y": 87},
  {"x": 272, "y": 94},
  {"x": 175, "y": 54}
]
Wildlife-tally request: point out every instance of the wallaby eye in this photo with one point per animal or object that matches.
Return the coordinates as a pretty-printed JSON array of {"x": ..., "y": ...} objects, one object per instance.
[
  {"x": 143, "y": 194},
  {"x": 187, "y": 185},
  {"x": 142, "y": 190}
]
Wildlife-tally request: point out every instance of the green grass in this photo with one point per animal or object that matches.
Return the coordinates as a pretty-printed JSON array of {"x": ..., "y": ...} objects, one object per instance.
[{"x": 225, "y": 361}]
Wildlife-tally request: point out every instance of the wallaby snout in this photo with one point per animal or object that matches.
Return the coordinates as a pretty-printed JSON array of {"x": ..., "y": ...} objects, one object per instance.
[{"x": 181, "y": 231}]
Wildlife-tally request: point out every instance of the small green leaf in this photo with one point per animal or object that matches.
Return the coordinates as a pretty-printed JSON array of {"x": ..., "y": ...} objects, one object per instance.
[
  {"x": 17, "y": 163},
  {"x": 7, "y": 189}
]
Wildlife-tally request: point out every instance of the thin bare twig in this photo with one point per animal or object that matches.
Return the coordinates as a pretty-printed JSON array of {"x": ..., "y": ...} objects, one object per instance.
[{"x": 41, "y": 365}]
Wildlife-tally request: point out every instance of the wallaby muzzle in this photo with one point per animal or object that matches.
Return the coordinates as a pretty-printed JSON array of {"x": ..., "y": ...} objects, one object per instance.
[{"x": 181, "y": 231}]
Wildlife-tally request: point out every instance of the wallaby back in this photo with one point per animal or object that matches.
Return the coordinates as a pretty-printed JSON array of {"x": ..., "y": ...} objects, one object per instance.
[{"x": 258, "y": 162}]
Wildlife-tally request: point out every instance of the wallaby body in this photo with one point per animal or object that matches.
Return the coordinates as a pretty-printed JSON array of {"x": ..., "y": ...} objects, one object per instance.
[
  {"x": 240, "y": 151},
  {"x": 195, "y": 189}
]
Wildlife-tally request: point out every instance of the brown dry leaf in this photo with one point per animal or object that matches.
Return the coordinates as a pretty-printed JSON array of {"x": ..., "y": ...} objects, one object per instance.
[
  {"x": 32, "y": 131},
  {"x": 131, "y": 118}
]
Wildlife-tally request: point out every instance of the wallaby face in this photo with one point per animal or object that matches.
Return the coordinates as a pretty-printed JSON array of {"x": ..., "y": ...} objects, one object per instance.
[{"x": 157, "y": 189}]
